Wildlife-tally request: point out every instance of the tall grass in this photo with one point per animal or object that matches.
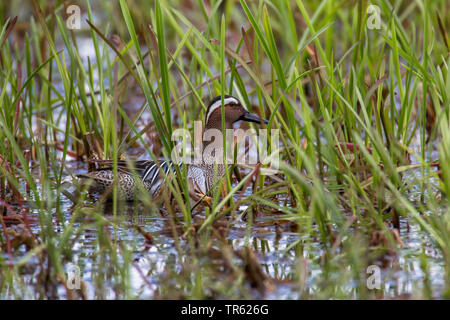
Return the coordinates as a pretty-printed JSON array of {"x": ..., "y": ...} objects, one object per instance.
[{"x": 363, "y": 118}]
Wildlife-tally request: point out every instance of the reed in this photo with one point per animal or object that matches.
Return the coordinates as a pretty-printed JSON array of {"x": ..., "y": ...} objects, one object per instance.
[{"x": 362, "y": 115}]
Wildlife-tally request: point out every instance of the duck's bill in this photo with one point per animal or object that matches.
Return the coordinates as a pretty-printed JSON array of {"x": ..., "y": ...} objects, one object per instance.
[{"x": 251, "y": 117}]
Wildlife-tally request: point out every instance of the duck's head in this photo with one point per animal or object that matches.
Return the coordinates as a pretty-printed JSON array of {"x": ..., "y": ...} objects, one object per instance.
[{"x": 234, "y": 112}]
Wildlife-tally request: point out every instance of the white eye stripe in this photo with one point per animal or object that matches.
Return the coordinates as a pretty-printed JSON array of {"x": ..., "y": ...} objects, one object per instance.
[{"x": 218, "y": 104}]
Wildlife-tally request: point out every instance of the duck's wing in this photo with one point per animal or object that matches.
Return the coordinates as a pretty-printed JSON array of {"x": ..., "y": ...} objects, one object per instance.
[
  {"x": 148, "y": 170},
  {"x": 125, "y": 166}
]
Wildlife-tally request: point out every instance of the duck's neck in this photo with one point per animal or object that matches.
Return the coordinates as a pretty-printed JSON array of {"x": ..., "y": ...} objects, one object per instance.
[{"x": 213, "y": 146}]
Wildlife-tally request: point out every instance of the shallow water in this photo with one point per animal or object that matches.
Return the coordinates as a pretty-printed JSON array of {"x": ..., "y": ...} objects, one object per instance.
[
  {"x": 153, "y": 265},
  {"x": 158, "y": 270}
]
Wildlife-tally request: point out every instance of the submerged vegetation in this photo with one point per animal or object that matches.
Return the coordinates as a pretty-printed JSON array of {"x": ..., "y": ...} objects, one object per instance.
[{"x": 359, "y": 92}]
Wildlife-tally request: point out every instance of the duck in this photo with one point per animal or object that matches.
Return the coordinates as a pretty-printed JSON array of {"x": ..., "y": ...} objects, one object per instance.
[{"x": 132, "y": 175}]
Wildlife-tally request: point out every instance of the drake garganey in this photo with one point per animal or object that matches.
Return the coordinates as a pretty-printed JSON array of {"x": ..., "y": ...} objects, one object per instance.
[{"x": 201, "y": 176}]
